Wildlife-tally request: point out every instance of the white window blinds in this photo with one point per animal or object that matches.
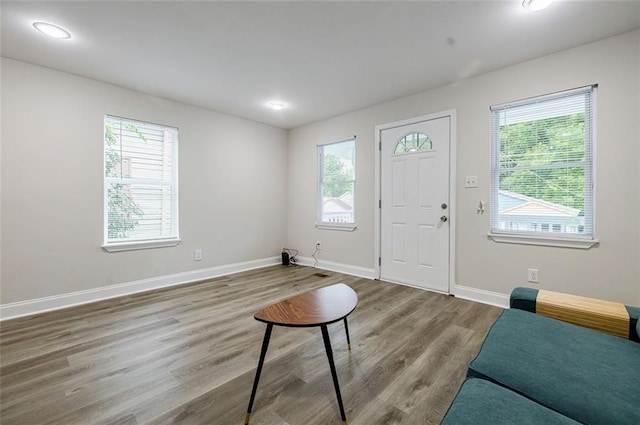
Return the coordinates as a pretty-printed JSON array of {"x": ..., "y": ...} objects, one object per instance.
[
  {"x": 140, "y": 181},
  {"x": 542, "y": 165}
]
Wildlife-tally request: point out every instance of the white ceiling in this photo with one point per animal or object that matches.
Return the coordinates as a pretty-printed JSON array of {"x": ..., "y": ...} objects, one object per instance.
[{"x": 321, "y": 58}]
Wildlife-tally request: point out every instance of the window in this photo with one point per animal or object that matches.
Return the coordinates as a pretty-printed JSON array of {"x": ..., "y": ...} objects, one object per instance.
[
  {"x": 542, "y": 168},
  {"x": 336, "y": 185},
  {"x": 413, "y": 142},
  {"x": 140, "y": 184}
]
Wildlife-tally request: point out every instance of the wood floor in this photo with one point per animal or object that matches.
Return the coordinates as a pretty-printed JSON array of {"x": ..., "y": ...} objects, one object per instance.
[{"x": 188, "y": 356}]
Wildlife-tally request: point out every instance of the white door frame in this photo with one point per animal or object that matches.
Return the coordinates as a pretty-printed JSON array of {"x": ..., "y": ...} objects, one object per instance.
[{"x": 451, "y": 113}]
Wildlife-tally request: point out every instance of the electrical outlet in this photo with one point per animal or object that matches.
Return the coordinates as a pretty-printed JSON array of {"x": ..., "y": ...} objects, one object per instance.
[
  {"x": 197, "y": 255},
  {"x": 470, "y": 181},
  {"x": 533, "y": 275}
]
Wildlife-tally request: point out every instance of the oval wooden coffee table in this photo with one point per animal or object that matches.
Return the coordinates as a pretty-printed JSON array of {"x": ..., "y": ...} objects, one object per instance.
[{"x": 319, "y": 307}]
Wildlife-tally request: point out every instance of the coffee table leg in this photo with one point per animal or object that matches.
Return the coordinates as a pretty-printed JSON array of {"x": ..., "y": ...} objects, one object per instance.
[
  {"x": 346, "y": 328},
  {"x": 263, "y": 353},
  {"x": 334, "y": 375}
]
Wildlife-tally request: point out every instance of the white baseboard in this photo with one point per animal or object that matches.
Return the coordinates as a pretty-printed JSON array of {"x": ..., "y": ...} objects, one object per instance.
[
  {"x": 56, "y": 302},
  {"x": 482, "y": 296},
  {"x": 337, "y": 267},
  {"x": 467, "y": 293}
]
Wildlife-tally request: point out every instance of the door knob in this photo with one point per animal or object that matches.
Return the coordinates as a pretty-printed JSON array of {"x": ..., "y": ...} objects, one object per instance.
[
  {"x": 443, "y": 218},
  {"x": 444, "y": 206}
]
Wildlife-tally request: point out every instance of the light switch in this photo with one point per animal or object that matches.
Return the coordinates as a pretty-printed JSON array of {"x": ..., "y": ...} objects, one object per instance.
[{"x": 471, "y": 181}]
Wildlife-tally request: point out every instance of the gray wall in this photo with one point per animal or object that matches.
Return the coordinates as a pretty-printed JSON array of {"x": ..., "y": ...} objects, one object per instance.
[
  {"x": 232, "y": 185},
  {"x": 610, "y": 271}
]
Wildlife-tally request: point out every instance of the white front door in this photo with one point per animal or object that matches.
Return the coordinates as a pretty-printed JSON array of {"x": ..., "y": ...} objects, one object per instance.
[{"x": 414, "y": 219}]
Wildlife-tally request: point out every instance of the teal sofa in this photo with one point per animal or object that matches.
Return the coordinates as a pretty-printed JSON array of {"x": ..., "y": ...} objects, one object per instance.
[{"x": 533, "y": 369}]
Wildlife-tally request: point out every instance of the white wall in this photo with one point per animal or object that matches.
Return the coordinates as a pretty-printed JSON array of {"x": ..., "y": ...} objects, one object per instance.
[
  {"x": 233, "y": 172},
  {"x": 609, "y": 271},
  {"x": 232, "y": 185}
]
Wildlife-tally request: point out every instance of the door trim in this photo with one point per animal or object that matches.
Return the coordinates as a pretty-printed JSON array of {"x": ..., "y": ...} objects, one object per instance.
[{"x": 451, "y": 113}]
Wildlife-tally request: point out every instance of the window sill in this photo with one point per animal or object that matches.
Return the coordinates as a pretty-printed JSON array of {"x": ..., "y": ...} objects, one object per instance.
[
  {"x": 346, "y": 227},
  {"x": 576, "y": 243},
  {"x": 130, "y": 246}
]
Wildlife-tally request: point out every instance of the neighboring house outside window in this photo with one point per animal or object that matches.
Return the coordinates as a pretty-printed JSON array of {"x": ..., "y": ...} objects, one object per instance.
[
  {"x": 542, "y": 168},
  {"x": 531, "y": 214},
  {"x": 140, "y": 184},
  {"x": 336, "y": 185}
]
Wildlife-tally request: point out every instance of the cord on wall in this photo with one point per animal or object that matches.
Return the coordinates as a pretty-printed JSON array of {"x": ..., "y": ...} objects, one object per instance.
[{"x": 316, "y": 254}]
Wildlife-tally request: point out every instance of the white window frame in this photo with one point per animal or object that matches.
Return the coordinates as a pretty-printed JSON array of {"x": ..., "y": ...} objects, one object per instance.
[
  {"x": 135, "y": 244},
  {"x": 545, "y": 237},
  {"x": 324, "y": 225}
]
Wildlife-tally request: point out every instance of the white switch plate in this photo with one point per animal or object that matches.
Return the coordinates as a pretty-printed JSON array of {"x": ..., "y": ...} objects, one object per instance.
[{"x": 471, "y": 181}]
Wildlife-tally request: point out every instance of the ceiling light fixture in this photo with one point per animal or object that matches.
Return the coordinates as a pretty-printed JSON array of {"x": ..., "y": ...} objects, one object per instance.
[
  {"x": 52, "y": 30},
  {"x": 276, "y": 106},
  {"x": 535, "y": 5}
]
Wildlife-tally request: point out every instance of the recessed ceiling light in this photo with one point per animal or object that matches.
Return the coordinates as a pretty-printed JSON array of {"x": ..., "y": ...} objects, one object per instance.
[
  {"x": 276, "y": 106},
  {"x": 52, "y": 30},
  {"x": 535, "y": 5}
]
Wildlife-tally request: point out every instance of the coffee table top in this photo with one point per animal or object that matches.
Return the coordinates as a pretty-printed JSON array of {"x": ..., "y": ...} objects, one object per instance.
[{"x": 314, "y": 308}]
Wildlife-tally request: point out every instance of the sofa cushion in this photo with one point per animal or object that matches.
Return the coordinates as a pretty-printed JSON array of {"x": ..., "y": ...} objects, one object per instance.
[
  {"x": 586, "y": 375},
  {"x": 481, "y": 402}
]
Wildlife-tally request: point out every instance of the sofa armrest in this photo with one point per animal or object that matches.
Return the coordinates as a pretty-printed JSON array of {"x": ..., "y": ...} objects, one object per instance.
[
  {"x": 605, "y": 316},
  {"x": 634, "y": 325},
  {"x": 524, "y": 299}
]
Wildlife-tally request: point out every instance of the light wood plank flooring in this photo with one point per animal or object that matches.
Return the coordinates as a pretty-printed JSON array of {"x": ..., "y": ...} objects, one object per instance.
[{"x": 188, "y": 355}]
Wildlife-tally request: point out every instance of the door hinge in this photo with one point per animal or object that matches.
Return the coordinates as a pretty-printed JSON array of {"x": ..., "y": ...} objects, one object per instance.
[
  {"x": 380, "y": 146},
  {"x": 379, "y": 261},
  {"x": 379, "y": 203}
]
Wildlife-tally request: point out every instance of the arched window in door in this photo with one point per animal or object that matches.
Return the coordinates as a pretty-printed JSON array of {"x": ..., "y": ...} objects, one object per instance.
[{"x": 413, "y": 142}]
